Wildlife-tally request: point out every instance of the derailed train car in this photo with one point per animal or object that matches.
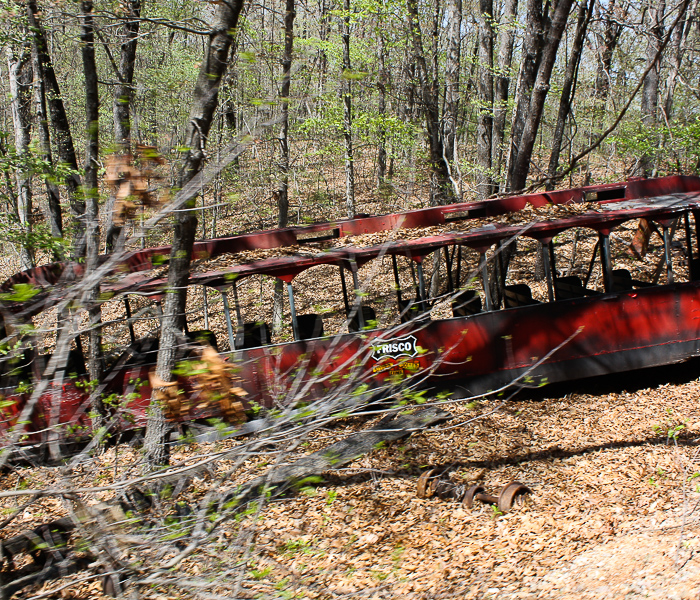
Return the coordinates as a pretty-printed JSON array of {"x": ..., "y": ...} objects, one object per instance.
[{"x": 452, "y": 328}]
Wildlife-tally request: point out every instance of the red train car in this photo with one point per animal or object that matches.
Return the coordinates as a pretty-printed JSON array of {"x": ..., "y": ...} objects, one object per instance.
[{"x": 459, "y": 318}]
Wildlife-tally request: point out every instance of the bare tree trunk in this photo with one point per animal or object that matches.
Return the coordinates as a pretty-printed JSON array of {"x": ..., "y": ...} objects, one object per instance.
[
  {"x": 532, "y": 53},
  {"x": 650, "y": 88},
  {"x": 440, "y": 185},
  {"x": 19, "y": 68},
  {"x": 383, "y": 77},
  {"x": 408, "y": 106},
  {"x": 484, "y": 128},
  {"x": 61, "y": 126},
  {"x": 282, "y": 192},
  {"x": 52, "y": 193},
  {"x": 521, "y": 166},
  {"x": 323, "y": 29},
  {"x": 506, "y": 40},
  {"x": 613, "y": 26},
  {"x": 123, "y": 95},
  {"x": 584, "y": 17},
  {"x": 283, "y": 188},
  {"x": 678, "y": 46},
  {"x": 453, "y": 19},
  {"x": 205, "y": 100},
  {"x": 347, "y": 115},
  {"x": 124, "y": 92},
  {"x": 91, "y": 195}
]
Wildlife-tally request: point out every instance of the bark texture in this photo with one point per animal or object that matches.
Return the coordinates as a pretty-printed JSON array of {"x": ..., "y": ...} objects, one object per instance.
[
  {"x": 123, "y": 96},
  {"x": 453, "y": 19},
  {"x": 521, "y": 164},
  {"x": 52, "y": 194},
  {"x": 484, "y": 127},
  {"x": 91, "y": 195},
  {"x": 63, "y": 138},
  {"x": 440, "y": 185},
  {"x": 613, "y": 19},
  {"x": 567, "y": 93},
  {"x": 282, "y": 192},
  {"x": 19, "y": 67},
  {"x": 506, "y": 40},
  {"x": 532, "y": 53},
  {"x": 347, "y": 115},
  {"x": 650, "y": 89},
  {"x": 383, "y": 77},
  {"x": 204, "y": 103}
]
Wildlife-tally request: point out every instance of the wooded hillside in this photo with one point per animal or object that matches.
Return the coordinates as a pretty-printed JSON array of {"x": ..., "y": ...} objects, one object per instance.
[{"x": 134, "y": 124}]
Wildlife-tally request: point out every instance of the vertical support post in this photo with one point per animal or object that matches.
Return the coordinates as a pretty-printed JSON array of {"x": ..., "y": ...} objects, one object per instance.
[
  {"x": 229, "y": 326},
  {"x": 459, "y": 266},
  {"x": 483, "y": 267},
  {"x": 605, "y": 260},
  {"x": 502, "y": 271},
  {"x": 667, "y": 255},
  {"x": 689, "y": 248},
  {"x": 292, "y": 310},
  {"x": 413, "y": 276},
  {"x": 206, "y": 307},
  {"x": 357, "y": 306},
  {"x": 237, "y": 306},
  {"x": 421, "y": 284},
  {"x": 552, "y": 258},
  {"x": 397, "y": 281},
  {"x": 345, "y": 290},
  {"x": 129, "y": 320},
  {"x": 548, "y": 263},
  {"x": 448, "y": 261},
  {"x": 591, "y": 264}
]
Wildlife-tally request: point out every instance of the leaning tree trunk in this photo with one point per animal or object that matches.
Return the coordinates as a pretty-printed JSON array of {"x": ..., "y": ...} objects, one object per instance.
[
  {"x": 61, "y": 126},
  {"x": 19, "y": 68},
  {"x": 521, "y": 165},
  {"x": 283, "y": 187},
  {"x": 123, "y": 95},
  {"x": 91, "y": 195},
  {"x": 484, "y": 127},
  {"x": 532, "y": 54},
  {"x": 205, "y": 100},
  {"x": 440, "y": 185},
  {"x": 506, "y": 40},
  {"x": 584, "y": 17}
]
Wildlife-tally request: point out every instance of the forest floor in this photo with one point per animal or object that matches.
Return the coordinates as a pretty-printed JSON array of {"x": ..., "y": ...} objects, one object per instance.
[
  {"x": 613, "y": 464},
  {"x": 612, "y": 514}
]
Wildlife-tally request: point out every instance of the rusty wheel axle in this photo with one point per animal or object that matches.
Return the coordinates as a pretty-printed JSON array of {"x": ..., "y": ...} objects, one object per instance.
[{"x": 430, "y": 484}]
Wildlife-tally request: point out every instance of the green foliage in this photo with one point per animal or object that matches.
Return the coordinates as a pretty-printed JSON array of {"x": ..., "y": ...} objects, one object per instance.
[
  {"x": 671, "y": 426},
  {"x": 21, "y": 292}
]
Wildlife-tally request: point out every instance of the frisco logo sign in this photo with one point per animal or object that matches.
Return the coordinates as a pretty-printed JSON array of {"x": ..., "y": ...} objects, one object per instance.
[{"x": 396, "y": 348}]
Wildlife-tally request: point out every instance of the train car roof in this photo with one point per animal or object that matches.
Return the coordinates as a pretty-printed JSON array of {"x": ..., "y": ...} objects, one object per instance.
[
  {"x": 608, "y": 216},
  {"x": 475, "y": 224}
]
